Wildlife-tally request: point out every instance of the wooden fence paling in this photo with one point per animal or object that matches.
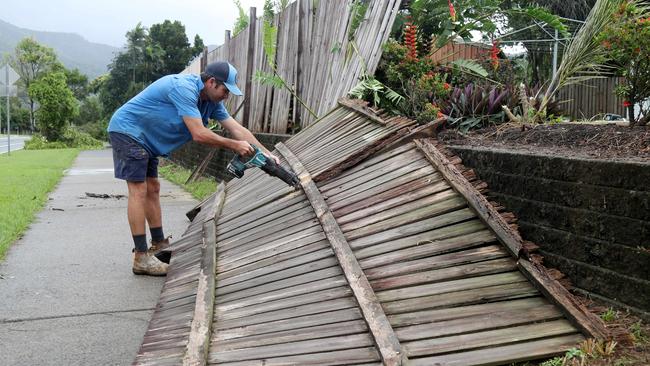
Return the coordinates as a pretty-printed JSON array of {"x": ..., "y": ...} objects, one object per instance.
[
  {"x": 196, "y": 351},
  {"x": 574, "y": 311},
  {"x": 382, "y": 331},
  {"x": 204, "y": 59},
  {"x": 307, "y": 60},
  {"x": 249, "y": 67},
  {"x": 591, "y": 98}
]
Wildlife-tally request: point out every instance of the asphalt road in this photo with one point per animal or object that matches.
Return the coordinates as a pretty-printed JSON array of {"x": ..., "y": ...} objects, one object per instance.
[{"x": 17, "y": 143}]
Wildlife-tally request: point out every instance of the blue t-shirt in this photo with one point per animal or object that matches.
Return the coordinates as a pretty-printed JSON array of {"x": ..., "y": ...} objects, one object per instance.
[{"x": 154, "y": 117}]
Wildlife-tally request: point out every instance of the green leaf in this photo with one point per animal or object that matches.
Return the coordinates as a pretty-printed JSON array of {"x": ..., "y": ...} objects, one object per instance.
[
  {"x": 268, "y": 79},
  {"x": 552, "y": 20},
  {"x": 270, "y": 42},
  {"x": 470, "y": 66}
]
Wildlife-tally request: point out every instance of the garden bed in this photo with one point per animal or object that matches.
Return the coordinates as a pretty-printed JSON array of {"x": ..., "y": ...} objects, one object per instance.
[{"x": 602, "y": 141}]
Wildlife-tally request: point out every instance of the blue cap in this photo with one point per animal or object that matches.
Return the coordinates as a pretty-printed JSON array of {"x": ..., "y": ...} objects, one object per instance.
[{"x": 226, "y": 73}]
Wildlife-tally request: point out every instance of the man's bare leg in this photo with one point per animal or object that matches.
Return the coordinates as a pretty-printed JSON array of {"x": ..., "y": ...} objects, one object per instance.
[
  {"x": 136, "y": 207},
  {"x": 152, "y": 207}
]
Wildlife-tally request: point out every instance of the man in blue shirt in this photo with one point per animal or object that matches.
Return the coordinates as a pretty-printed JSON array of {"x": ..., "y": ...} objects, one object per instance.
[{"x": 168, "y": 113}]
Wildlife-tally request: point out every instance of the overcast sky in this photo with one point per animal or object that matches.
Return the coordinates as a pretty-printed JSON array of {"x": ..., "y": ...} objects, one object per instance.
[{"x": 108, "y": 21}]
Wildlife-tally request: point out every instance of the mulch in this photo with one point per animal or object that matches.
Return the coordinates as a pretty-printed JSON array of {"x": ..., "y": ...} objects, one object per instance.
[{"x": 596, "y": 141}]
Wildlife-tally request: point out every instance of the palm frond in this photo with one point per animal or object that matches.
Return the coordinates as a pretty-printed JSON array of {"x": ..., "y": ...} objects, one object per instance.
[
  {"x": 584, "y": 57},
  {"x": 470, "y": 66},
  {"x": 371, "y": 88},
  {"x": 545, "y": 16}
]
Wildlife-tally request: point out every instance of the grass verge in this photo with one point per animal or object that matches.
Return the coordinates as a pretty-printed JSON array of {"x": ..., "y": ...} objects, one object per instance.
[
  {"x": 26, "y": 177},
  {"x": 176, "y": 174}
]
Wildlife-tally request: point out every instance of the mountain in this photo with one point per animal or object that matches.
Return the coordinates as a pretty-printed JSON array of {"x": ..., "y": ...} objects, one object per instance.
[{"x": 72, "y": 50}]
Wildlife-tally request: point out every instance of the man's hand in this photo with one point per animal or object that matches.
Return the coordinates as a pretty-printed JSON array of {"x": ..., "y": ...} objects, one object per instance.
[
  {"x": 242, "y": 148},
  {"x": 271, "y": 156}
]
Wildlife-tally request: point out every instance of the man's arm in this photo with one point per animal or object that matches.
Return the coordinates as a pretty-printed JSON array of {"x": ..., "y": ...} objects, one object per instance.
[
  {"x": 239, "y": 132},
  {"x": 205, "y": 136}
]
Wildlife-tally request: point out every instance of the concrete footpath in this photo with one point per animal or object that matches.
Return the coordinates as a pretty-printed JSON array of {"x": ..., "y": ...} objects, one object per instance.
[{"x": 67, "y": 293}]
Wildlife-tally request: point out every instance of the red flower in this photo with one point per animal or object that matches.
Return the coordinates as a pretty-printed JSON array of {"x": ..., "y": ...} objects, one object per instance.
[
  {"x": 452, "y": 11},
  {"x": 410, "y": 40},
  {"x": 494, "y": 54},
  {"x": 440, "y": 115},
  {"x": 446, "y": 86},
  {"x": 626, "y": 104}
]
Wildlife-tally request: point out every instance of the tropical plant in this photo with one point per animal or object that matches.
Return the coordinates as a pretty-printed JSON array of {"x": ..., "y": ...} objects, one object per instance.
[
  {"x": 270, "y": 38},
  {"x": 358, "y": 9},
  {"x": 478, "y": 106},
  {"x": 447, "y": 19},
  {"x": 242, "y": 20},
  {"x": 627, "y": 43},
  {"x": 584, "y": 57},
  {"x": 372, "y": 89}
]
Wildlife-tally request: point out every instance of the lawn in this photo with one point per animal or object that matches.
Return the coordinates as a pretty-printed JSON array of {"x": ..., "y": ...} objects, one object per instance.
[
  {"x": 26, "y": 178},
  {"x": 200, "y": 189}
]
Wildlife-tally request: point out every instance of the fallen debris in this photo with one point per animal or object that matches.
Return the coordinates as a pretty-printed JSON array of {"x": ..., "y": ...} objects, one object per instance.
[{"x": 105, "y": 196}]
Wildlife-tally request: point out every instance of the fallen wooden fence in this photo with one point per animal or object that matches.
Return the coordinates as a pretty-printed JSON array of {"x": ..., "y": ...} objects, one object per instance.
[{"x": 392, "y": 258}]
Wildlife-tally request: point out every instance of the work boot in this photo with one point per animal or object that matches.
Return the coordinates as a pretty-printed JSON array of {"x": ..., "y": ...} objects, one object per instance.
[
  {"x": 161, "y": 249},
  {"x": 147, "y": 264}
]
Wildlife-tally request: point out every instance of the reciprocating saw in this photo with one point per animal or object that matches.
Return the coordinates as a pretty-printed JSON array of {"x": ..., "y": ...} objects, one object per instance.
[{"x": 239, "y": 163}]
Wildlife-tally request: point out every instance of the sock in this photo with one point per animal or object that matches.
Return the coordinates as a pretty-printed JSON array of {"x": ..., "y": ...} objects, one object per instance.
[
  {"x": 140, "y": 242},
  {"x": 157, "y": 234}
]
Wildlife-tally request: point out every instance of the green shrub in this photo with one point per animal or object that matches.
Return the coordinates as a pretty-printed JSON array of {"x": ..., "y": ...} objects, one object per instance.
[
  {"x": 71, "y": 138},
  {"x": 81, "y": 140},
  {"x": 39, "y": 142}
]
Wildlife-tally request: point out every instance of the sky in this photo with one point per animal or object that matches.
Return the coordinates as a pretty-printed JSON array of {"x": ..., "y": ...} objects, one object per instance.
[{"x": 108, "y": 21}]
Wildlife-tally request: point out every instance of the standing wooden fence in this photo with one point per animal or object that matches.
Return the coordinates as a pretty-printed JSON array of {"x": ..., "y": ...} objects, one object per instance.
[
  {"x": 314, "y": 55},
  {"x": 455, "y": 51},
  {"x": 591, "y": 98}
]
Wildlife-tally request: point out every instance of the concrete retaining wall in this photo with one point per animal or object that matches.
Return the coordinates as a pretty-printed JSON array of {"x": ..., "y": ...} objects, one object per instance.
[
  {"x": 591, "y": 218},
  {"x": 191, "y": 155}
]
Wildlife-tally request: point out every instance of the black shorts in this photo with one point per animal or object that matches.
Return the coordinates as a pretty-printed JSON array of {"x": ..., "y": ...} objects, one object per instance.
[{"x": 131, "y": 161}]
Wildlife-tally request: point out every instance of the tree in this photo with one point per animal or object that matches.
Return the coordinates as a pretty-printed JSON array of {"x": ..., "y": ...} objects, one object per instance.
[
  {"x": 118, "y": 87},
  {"x": 57, "y": 104},
  {"x": 149, "y": 54},
  {"x": 136, "y": 41},
  {"x": 170, "y": 37},
  {"x": 19, "y": 115},
  {"x": 31, "y": 61},
  {"x": 627, "y": 42},
  {"x": 198, "y": 46},
  {"x": 77, "y": 82},
  {"x": 539, "y": 54},
  {"x": 574, "y": 9},
  {"x": 90, "y": 111}
]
